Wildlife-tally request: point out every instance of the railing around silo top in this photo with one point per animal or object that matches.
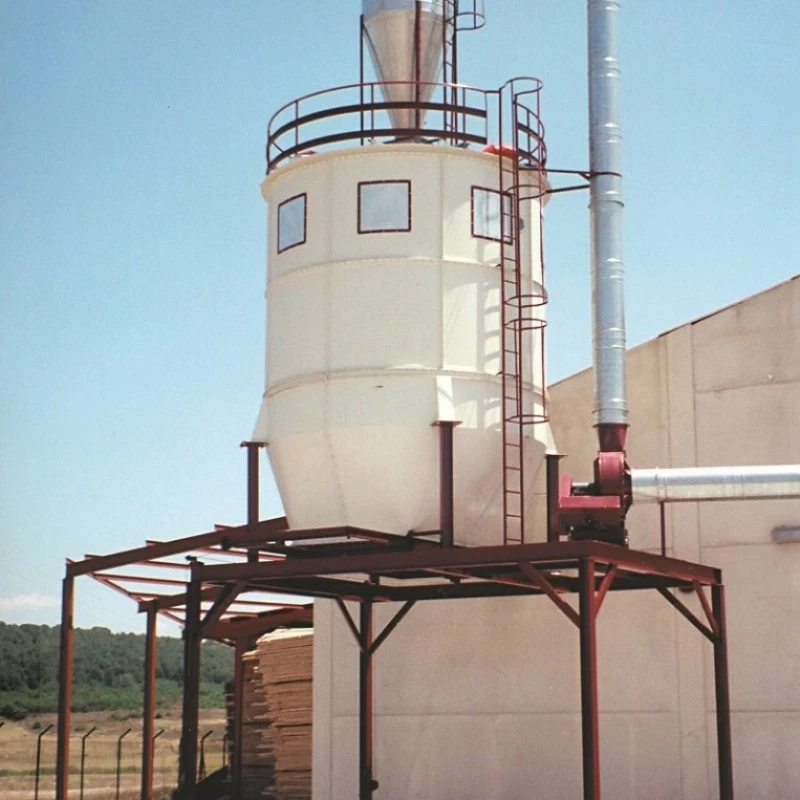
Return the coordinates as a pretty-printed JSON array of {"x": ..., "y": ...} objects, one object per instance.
[{"x": 358, "y": 115}]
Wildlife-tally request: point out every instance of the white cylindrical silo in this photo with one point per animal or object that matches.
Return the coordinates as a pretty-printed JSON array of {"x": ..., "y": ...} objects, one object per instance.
[{"x": 384, "y": 317}]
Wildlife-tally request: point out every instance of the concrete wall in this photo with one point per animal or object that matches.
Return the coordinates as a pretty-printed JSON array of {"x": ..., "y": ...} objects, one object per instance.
[{"x": 479, "y": 699}]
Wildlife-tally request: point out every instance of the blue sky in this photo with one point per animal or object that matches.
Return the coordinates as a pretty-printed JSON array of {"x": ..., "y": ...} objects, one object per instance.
[{"x": 132, "y": 232}]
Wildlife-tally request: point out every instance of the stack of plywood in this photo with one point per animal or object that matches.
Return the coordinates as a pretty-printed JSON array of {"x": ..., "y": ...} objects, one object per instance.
[
  {"x": 258, "y": 749},
  {"x": 285, "y": 659}
]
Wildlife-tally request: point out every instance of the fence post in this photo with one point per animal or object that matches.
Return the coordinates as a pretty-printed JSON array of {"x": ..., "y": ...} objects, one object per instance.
[
  {"x": 39, "y": 760},
  {"x": 202, "y": 773},
  {"x": 155, "y": 736},
  {"x": 83, "y": 754},
  {"x": 119, "y": 758}
]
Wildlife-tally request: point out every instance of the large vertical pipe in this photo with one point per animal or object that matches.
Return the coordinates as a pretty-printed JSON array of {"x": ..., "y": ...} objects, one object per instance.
[
  {"x": 65, "y": 687},
  {"x": 590, "y": 715},
  {"x": 606, "y": 205},
  {"x": 149, "y": 709},
  {"x": 723, "y": 697}
]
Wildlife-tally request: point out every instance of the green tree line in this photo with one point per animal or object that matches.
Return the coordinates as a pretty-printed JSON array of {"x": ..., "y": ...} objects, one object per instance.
[{"x": 108, "y": 670}]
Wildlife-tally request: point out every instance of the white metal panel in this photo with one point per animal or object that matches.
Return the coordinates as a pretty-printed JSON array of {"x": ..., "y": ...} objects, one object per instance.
[
  {"x": 385, "y": 314},
  {"x": 298, "y": 306}
]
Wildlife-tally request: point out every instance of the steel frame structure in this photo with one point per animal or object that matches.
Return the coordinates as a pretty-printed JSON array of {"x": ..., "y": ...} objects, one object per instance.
[
  {"x": 369, "y": 567},
  {"x": 226, "y": 618},
  {"x": 588, "y": 569}
]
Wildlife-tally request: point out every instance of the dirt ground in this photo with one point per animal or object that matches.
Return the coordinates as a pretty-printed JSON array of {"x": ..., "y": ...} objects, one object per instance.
[{"x": 18, "y": 754}]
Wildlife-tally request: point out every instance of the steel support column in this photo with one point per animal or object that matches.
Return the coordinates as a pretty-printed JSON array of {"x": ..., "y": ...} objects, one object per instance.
[
  {"x": 253, "y": 489},
  {"x": 187, "y": 764},
  {"x": 149, "y": 706},
  {"x": 590, "y": 722},
  {"x": 722, "y": 691},
  {"x": 552, "y": 462},
  {"x": 446, "y": 483},
  {"x": 65, "y": 687},
  {"x": 366, "y": 782},
  {"x": 238, "y": 714}
]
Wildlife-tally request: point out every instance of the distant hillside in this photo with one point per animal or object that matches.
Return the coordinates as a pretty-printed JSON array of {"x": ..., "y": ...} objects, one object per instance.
[{"x": 109, "y": 670}]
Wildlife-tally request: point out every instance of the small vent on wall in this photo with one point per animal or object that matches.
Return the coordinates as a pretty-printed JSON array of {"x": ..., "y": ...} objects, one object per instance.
[{"x": 784, "y": 534}]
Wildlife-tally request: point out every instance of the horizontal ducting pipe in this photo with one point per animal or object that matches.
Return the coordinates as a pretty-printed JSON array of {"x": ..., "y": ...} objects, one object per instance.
[{"x": 693, "y": 484}]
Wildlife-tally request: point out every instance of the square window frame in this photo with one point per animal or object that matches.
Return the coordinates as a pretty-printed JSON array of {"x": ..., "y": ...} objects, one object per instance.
[
  {"x": 362, "y": 232},
  {"x": 304, "y": 197},
  {"x": 503, "y": 239}
]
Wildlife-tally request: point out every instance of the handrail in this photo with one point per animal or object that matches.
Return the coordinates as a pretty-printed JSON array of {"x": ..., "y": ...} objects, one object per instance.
[{"x": 464, "y": 117}]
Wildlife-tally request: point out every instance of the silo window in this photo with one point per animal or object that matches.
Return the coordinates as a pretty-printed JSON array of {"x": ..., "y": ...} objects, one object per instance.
[
  {"x": 292, "y": 222},
  {"x": 486, "y": 216},
  {"x": 384, "y": 206}
]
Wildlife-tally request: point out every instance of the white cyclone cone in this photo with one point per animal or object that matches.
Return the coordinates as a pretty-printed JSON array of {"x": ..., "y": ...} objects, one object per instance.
[{"x": 406, "y": 51}]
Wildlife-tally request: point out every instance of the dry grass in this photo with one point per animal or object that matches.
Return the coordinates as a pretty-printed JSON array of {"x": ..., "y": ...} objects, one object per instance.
[{"x": 18, "y": 754}]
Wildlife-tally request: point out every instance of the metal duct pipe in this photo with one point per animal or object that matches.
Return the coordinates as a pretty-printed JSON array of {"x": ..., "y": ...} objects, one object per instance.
[
  {"x": 692, "y": 484},
  {"x": 606, "y": 205}
]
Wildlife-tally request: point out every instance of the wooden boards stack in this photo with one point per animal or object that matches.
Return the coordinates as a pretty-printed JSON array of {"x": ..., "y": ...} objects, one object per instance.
[
  {"x": 285, "y": 661},
  {"x": 258, "y": 746}
]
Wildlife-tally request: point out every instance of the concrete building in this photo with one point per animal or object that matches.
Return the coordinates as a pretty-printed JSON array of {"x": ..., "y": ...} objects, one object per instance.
[{"x": 480, "y": 699}]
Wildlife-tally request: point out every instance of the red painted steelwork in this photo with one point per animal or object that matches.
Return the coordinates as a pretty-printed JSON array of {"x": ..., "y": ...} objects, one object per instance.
[
  {"x": 65, "y": 688},
  {"x": 446, "y": 482},
  {"x": 590, "y": 713},
  {"x": 149, "y": 710},
  {"x": 600, "y": 513},
  {"x": 722, "y": 694},
  {"x": 612, "y": 437}
]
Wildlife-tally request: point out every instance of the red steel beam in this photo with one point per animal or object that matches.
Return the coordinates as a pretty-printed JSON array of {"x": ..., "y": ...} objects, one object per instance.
[
  {"x": 65, "y": 686},
  {"x": 187, "y": 762},
  {"x": 605, "y": 586},
  {"x": 225, "y": 599},
  {"x": 540, "y": 581},
  {"x": 366, "y": 721},
  {"x": 214, "y": 549},
  {"x": 257, "y": 626},
  {"x": 138, "y": 579},
  {"x": 148, "y": 717},
  {"x": 590, "y": 716},
  {"x": 686, "y": 613},
  {"x": 253, "y": 486},
  {"x": 466, "y": 557},
  {"x": 722, "y": 692},
  {"x": 174, "y": 546},
  {"x": 166, "y": 601}
]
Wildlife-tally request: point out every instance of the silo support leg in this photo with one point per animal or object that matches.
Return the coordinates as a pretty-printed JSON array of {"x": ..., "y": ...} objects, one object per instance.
[
  {"x": 366, "y": 782},
  {"x": 65, "y": 687},
  {"x": 722, "y": 691},
  {"x": 187, "y": 761},
  {"x": 149, "y": 705},
  {"x": 590, "y": 721}
]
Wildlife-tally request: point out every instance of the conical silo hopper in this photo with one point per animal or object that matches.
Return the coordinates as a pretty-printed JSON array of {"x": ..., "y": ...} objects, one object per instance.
[{"x": 405, "y": 40}]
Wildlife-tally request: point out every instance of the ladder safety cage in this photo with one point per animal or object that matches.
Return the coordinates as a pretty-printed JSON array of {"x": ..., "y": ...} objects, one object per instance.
[
  {"x": 522, "y": 296},
  {"x": 459, "y": 15}
]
